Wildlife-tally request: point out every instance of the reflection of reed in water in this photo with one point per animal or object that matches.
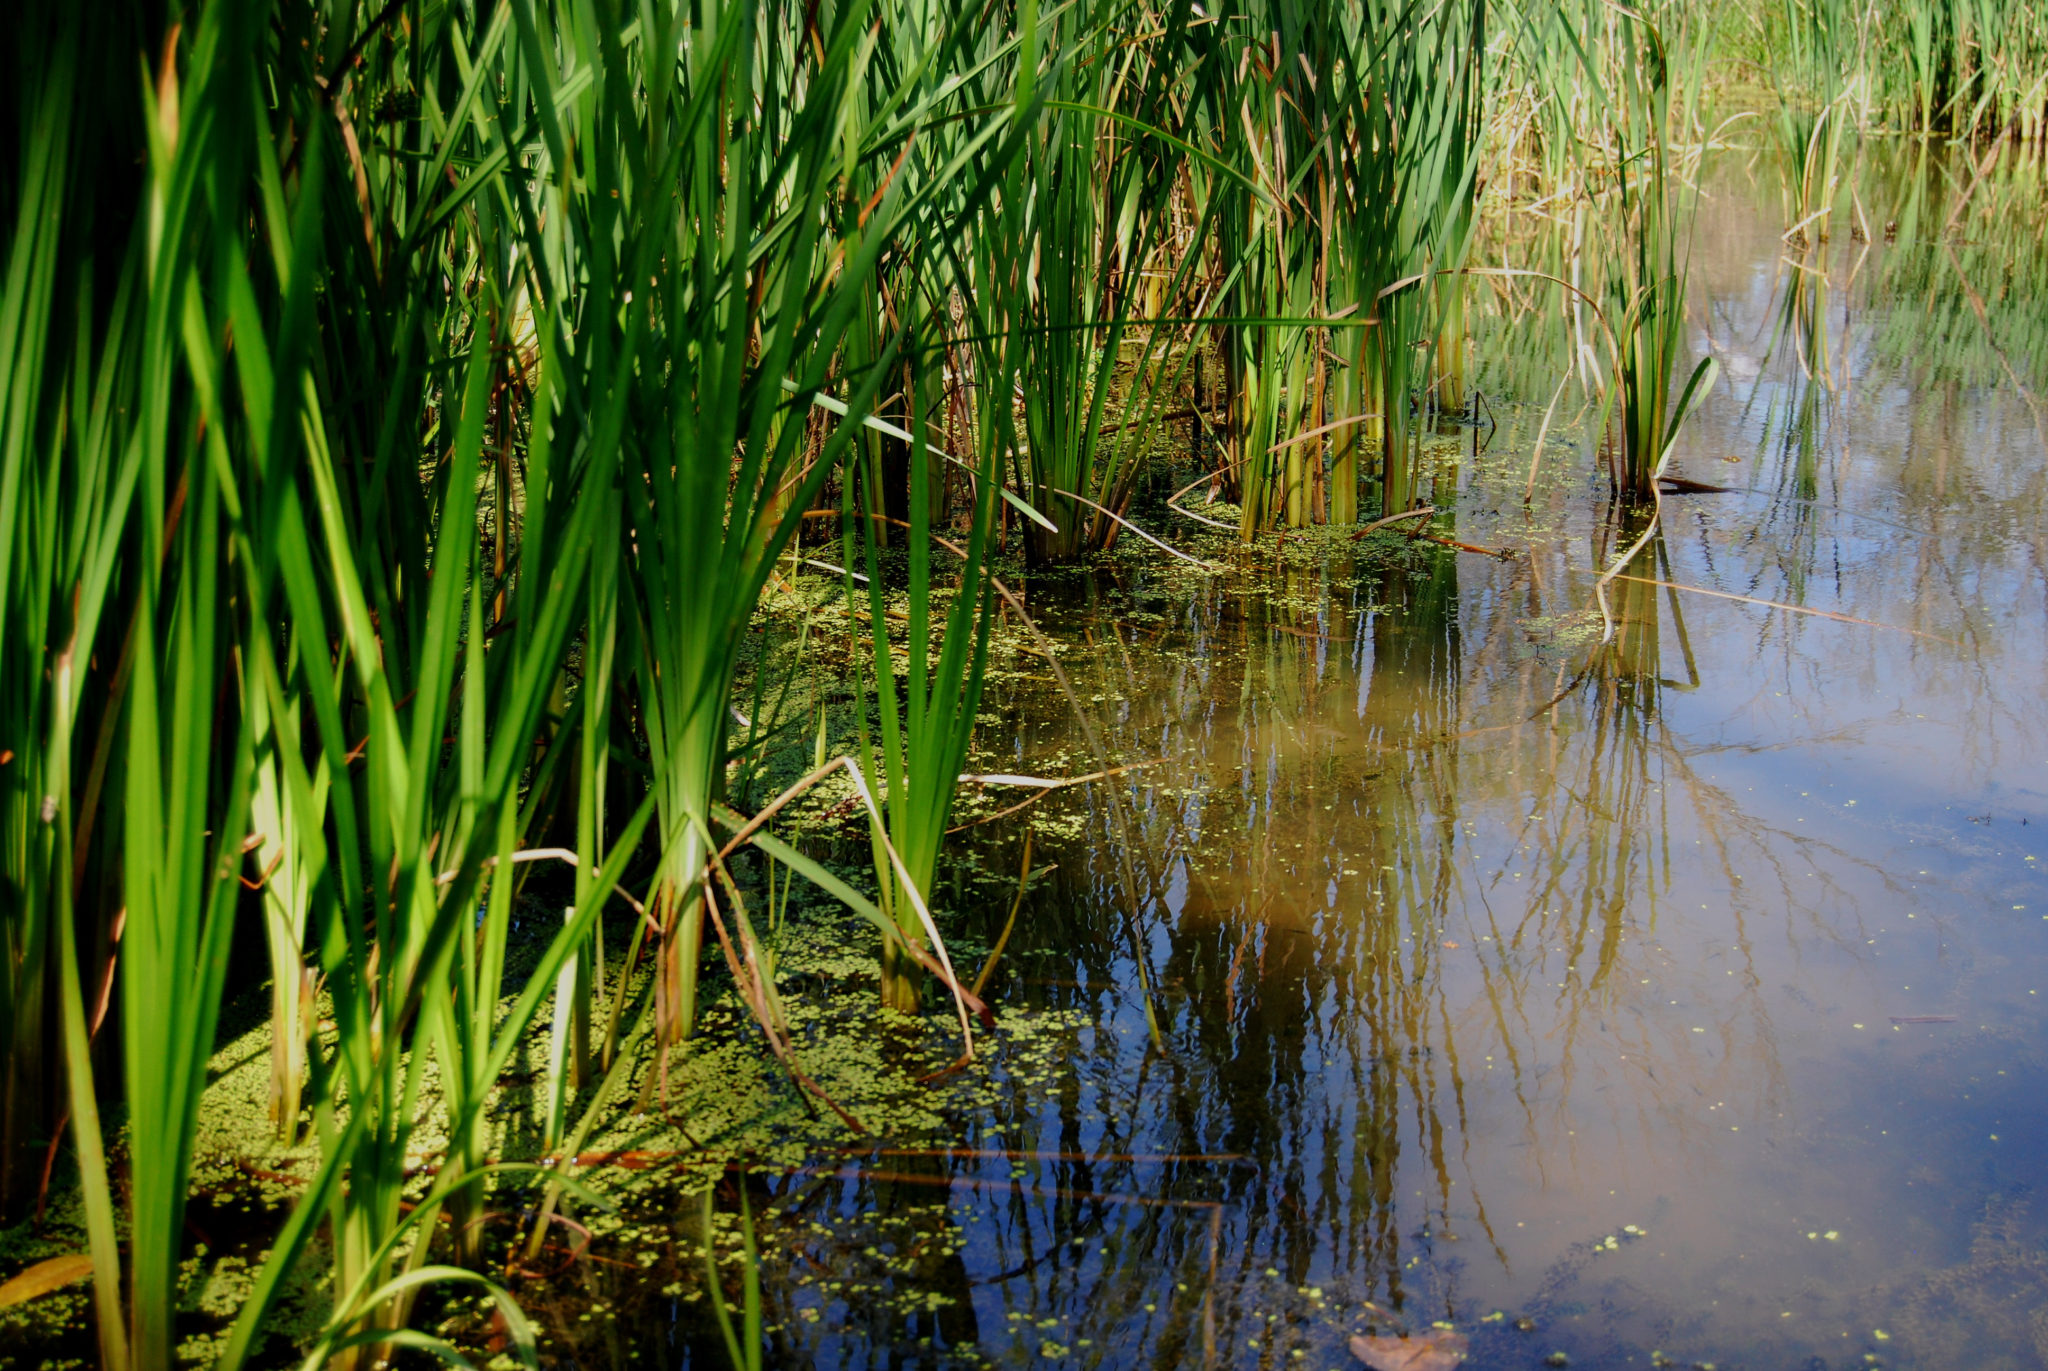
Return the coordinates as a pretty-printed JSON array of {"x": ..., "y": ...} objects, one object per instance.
[
  {"x": 1619, "y": 788},
  {"x": 1409, "y": 705},
  {"x": 1351, "y": 977},
  {"x": 1311, "y": 888},
  {"x": 1800, "y": 404},
  {"x": 1320, "y": 925},
  {"x": 1299, "y": 873},
  {"x": 1608, "y": 783}
]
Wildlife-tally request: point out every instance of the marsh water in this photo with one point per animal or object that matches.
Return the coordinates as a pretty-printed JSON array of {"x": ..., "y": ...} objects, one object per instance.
[{"x": 1681, "y": 1000}]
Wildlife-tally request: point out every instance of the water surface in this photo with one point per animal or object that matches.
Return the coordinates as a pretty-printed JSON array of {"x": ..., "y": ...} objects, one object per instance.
[{"x": 1678, "y": 999}]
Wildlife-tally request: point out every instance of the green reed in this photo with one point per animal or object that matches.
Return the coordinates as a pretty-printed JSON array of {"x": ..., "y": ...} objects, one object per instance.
[
  {"x": 1090, "y": 200},
  {"x": 926, "y": 721},
  {"x": 1647, "y": 269},
  {"x": 1408, "y": 166},
  {"x": 1812, "y": 50}
]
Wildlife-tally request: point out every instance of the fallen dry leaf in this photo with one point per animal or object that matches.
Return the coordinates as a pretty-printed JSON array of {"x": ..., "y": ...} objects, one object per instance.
[
  {"x": 1437, "y": 1350},
  {"x": 43, "y": 1277}
]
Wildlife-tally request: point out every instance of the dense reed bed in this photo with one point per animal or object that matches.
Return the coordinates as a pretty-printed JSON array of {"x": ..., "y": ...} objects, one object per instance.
[{"x": 408, "y": 407}]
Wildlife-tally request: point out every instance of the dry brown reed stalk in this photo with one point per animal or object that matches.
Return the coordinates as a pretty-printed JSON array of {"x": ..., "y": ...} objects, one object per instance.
[
  {"x": 936, "y": 961},
  {"x": 1503, "y": 554}
]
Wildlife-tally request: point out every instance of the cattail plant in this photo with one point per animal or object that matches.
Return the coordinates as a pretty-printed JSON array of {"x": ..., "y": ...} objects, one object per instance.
[{"x": 1647, "y": 269}]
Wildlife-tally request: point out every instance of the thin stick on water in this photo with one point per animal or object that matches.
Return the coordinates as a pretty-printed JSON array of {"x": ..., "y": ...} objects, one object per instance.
[
  {"x": 1044, "y": 788},
  {"x": 1779, "y": 604}
]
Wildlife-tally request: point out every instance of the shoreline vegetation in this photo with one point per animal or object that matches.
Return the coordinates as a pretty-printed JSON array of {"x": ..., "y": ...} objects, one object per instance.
[{"x": 511, "y": 512}]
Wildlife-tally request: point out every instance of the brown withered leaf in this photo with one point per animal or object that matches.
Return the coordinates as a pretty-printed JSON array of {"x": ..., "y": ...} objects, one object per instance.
[
  {"x": 43, "y": 1277},
  {"x": 1437, "y": 1350}
]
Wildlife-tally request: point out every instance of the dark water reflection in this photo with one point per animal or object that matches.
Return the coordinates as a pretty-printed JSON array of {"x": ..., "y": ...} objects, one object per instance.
[{"x": 1684, "y": 996}]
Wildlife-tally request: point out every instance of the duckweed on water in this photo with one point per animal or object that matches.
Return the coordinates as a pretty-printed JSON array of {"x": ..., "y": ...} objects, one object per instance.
[{"x": 726, "y": 1115}]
